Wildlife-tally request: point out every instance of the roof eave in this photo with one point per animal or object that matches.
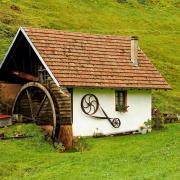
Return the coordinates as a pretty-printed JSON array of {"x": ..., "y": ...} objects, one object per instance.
[{"x": 105, "y": 87}]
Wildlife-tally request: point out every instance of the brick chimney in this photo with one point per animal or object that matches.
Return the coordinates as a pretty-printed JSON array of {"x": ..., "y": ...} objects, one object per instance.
[{"x": 134, "y": 50}]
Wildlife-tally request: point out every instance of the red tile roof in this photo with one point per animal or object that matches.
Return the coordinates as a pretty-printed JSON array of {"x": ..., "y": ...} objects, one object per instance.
[{"x": 88, "y": 60}]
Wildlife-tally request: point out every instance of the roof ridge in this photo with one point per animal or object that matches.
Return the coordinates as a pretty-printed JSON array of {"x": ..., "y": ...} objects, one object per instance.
[{"x": 51, "y": 31}]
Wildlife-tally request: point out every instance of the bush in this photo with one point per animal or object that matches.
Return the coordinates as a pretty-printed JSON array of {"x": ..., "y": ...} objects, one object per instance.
[
  {"x": 148, "y": 123},
  {"x": 157, "y": 119}
]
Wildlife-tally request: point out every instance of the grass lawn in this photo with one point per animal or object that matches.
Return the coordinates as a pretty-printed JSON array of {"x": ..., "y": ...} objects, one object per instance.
[{"x": 151, "y": 156}]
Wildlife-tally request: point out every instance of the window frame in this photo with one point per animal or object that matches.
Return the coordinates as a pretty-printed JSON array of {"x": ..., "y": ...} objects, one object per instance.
[{"x": 121, "y": 100}]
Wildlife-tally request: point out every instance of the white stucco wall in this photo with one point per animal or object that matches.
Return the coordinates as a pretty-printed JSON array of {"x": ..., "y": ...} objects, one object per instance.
[{"x": 139, "y": 102}]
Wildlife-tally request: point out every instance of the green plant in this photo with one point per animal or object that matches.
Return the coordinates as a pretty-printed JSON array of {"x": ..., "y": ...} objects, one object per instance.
[
  {"x": 157, "y": 119},
  {"x": 146, "y": 127},
  {"x": 19, "y": 131},
  {"x": 158, "y": 122},
  {"x": 59, "y": 147},
  {"x": 48, "y": 138},
  {"x": 148, "y": 123},
  {"x": 121, "y": 108},
  {"x": 80, "y": 144}
]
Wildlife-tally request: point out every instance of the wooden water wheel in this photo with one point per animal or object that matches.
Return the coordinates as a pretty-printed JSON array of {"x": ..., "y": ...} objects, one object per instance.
[{"x": 35, "y": 102}]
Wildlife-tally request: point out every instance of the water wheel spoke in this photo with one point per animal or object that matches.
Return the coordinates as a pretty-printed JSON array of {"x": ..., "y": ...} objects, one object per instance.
[
  {"x": 41, "y": 106},
  {"x": 27, "y": 118},
  {"x": 36, "y": 103},
  {"x": 30, "y": 103}
]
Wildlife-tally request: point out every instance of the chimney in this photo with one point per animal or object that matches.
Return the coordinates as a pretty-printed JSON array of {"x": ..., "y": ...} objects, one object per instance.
[{"x": 134, "y": 50}]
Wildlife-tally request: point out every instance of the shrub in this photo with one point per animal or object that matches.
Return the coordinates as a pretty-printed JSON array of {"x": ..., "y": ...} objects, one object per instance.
[
  {"x": 148, "y": 123},
  {"x": 157, "y": 119}
]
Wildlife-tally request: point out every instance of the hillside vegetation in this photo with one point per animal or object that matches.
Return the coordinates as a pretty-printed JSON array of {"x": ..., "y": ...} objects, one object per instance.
[{"x": 156, "y": 22}]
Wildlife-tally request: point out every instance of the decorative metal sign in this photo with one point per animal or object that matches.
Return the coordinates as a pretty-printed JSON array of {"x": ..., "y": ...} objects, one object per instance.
[{"x": 90, "y": 105}]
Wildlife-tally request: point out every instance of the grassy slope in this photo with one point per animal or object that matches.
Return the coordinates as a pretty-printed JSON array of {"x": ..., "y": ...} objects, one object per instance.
[
  {"x": 151, "y": 156},
  {"x": 156, "y": 23}
]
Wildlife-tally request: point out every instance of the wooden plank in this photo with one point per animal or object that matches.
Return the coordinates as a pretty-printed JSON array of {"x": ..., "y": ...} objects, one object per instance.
[
  {"x": 64, "y": 103},
  {"x": 25, "y": 76}
]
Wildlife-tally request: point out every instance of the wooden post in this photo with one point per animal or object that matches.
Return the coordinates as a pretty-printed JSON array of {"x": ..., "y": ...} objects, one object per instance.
[
  {"x": 66, "y": 136},
  {"x": 48, "y": 129}
]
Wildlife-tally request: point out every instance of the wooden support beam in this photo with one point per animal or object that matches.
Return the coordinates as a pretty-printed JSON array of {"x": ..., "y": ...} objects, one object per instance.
[
  {"x": 30, "y": 103},
  {"x": 26, "y": 76},
  {"x": 66, "y": 136},
  {"x": 41, "y": 105}
]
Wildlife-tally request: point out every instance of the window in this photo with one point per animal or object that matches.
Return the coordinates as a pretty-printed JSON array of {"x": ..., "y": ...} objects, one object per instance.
[{"x": 121, "y": 101}]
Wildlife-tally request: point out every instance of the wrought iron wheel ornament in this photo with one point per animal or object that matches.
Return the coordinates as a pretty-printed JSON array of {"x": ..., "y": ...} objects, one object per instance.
[{"x": 90, "y": 105}]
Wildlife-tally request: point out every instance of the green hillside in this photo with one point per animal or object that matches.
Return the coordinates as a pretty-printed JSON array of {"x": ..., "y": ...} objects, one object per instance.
[{"x": 156, "y": 22}]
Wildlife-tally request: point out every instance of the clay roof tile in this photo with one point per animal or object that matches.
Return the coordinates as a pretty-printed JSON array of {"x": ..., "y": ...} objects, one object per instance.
[{"x": 88, "y": 60}]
